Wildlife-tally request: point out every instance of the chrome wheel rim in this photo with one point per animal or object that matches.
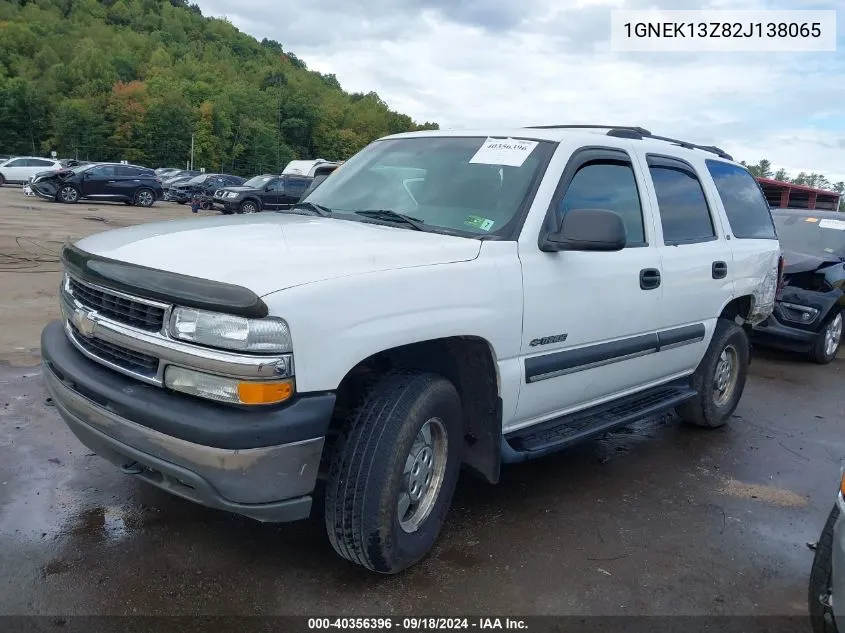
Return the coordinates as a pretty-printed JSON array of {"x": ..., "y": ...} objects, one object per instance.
[
  {"x": 69, "y": 194},
  {"x": 145, "y": 198},
  {"x": 832, "y": 335},
  {"x": 249, "y": 208},
  {"x": 725, "y": 376},
  {"x": 422, "y": 477}
]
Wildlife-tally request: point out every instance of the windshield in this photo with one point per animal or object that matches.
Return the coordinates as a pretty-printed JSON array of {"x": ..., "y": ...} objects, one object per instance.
[
  {"x": 197, "y": 180},
  {"x": 469, "y": 185},
  {"x": 257, "y": 182},
  {"x": 813, "y": 236}
]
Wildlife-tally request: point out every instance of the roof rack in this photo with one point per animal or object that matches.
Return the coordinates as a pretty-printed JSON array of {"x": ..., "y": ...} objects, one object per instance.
[{"x": 639, "y": 133}]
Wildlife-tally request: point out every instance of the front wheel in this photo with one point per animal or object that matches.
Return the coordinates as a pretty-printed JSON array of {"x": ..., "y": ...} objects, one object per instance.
[
  {"x": 68, "y": 194},
  {"x": 394, "y": 471},
  {"x": 144, "y": 198},
  {"x": 248, "y": 207},
  {"x": 827, "y": 343},
  {"x": 719, "y": 379}
]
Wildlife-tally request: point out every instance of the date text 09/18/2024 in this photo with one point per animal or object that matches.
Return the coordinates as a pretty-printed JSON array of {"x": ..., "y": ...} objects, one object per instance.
[{"x": 417, "y": 624}]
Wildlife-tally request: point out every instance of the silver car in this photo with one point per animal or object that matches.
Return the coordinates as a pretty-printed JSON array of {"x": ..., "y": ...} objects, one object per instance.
[{"x": 827, "y": 577}]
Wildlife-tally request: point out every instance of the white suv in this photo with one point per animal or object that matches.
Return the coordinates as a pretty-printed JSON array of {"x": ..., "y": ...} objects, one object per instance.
[
  {"x": 444, "y": 299},
  {"x": 21, "y": 169}
]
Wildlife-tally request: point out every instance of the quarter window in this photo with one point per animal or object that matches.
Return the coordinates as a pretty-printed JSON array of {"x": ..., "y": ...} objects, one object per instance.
[
  {"x": 745, "y": 205},
  {"x": 683, "y": 208},
  {"x": 607, "y": 185}
]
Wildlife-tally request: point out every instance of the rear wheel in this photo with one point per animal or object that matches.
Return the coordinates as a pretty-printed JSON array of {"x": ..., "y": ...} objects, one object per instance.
[
  {"x": 719, "y": 379},
  {"x": 68, "y": 194},
  {"x": 248, "y": 207},
  {"x": 2, "y": 180},
  {"x": 393, "y": 472},
  {"x": 821, "y": 614},
  {"x": 144, "y": 198},
  {"x": 827, "y": 344}
]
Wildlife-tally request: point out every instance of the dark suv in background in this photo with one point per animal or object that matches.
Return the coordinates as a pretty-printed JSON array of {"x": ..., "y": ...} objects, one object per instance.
[
  {"x": 268, "y": 192},
  {"x": 205, "y": 185},
  {"x": 130, "y": 184}
]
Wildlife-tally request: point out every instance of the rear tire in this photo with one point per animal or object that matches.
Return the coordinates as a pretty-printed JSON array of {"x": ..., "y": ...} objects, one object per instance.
[
  {"x": 2, "y": 180},
  {"x": 719, "y": 379},
  {"x": 821, "y": 615},
  {"x": 144, "y": 198},
  {"x": 827, "y": 343},
  {"x": 394, "y": 471}
]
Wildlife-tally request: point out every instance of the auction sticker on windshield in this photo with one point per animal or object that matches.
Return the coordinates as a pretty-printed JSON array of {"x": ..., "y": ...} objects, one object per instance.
[
  {"x": 839, "y": 225},
  {"x": 503, "y": 151},
  {"x": 478, "y": 222}
]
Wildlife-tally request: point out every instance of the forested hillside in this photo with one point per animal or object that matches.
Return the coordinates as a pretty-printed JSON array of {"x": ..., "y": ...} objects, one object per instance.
[{"x": 133, "y": 79}]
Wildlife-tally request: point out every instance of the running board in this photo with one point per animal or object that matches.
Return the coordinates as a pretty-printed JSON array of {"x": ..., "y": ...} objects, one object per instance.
[{"x": 551, "y": 436}]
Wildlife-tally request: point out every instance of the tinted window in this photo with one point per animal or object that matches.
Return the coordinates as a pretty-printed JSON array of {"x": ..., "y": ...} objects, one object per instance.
[
  {"x": 277, "y": 185},
  {"x": 102, "y": 171},
  {"x": 38, "y": 162},
  {"x": 127, "y": 172},
  {"x": 611, "y": 186},
  {"x": 683, "y": 209},
  {"x": 747, "y": 209}
]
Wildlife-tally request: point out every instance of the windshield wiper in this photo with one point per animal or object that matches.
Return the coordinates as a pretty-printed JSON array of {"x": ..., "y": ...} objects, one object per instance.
[
  {"x": 319, "y": 209},
  {"x": 392, "y": 216}
]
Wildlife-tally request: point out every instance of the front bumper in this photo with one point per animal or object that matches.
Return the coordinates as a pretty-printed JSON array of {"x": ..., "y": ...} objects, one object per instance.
[
  {"x": 260, "y": 464},
  {"x": 775, "y": 333},
  {"x": 837, "y": 574},
  {"x": 226, "y": 205}
]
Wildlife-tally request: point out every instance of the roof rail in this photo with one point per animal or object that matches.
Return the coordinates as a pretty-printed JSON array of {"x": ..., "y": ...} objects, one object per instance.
[{"x": 638, "y": 133}]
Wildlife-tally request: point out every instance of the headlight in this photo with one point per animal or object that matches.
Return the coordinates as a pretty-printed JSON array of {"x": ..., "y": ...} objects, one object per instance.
[
  {"x": 268, "y": 335},
  {"x": 232, "y": 194},
  {"x": 797, "y": 313},
  {"x": 229, "y": 390}
]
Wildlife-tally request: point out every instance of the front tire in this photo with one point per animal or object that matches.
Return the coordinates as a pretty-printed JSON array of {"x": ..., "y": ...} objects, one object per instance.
[
  {"x": 249, "y": 207},
  {"x": 719, "y": 379},
  {"x": 68, "y": 194},
  {"x": 827, "y": 343},
  {"x": 821, "y": 615},
  {"x": 144, "y": 198},
  {"x": 394, "y": 471}
]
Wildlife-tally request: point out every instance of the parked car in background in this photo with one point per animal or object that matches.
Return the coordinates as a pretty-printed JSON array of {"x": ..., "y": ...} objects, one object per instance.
[
  {"x": 808, "y": 312},
  {"x": 826, "y": 594},
  {"x": 269, "y": 192},
  {"x": 183, "y": 174},
  {"x": 164, "y": 171},
  {"x": 308, "y": 167},
  {"x": 130, "y": 184},
  {"x": 205, "y": 185},
  {"x": 21, "y": 169},
  {"x": 320, "y": 174}
]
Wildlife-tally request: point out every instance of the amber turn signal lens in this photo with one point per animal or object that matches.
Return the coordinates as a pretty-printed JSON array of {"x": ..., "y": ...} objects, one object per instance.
[
  {"x": 264, "y": 392},
  {"x": 842, "y": 485}
]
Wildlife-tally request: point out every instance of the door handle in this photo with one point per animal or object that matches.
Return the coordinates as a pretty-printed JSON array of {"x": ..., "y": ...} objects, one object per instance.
[
  {"x": 720, "y": 270},
  {"x": 649, "y": 278}
]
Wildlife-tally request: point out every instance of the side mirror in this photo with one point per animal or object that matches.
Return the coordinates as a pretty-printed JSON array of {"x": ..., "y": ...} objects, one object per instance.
[{"x": 587, "y": 230}]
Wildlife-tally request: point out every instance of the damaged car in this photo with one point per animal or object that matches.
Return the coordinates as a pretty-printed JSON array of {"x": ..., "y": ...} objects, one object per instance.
[
  {"x": 130, "y": 184},
  {"x": 808, "y": 312}
]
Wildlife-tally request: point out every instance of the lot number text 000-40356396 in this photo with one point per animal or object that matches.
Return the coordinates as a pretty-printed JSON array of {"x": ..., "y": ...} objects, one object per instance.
[{"x": 657, "y": 30}]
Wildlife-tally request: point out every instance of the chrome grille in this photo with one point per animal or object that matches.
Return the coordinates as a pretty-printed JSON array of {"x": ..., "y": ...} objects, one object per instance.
[
  {"x": 124, "y": 310},
  {"x": 127, "y": 359}
]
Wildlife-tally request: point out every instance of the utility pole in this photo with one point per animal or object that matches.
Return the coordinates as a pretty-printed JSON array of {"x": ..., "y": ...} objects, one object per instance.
[{"x": 192, "y": 152}]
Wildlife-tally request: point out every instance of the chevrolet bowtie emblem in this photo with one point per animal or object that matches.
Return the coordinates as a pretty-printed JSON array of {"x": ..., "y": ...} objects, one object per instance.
[{"x": 85, "y": 322}]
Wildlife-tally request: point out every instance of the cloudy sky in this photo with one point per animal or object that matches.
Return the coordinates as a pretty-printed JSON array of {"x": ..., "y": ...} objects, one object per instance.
[{"x": 470, "y": 63}]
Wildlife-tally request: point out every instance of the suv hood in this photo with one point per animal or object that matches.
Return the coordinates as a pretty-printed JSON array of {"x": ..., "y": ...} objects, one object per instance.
[
  {"x": 805, "y": 262},
  {"x": 238, "y": 189},
  {"x": 267, "y": 252}
]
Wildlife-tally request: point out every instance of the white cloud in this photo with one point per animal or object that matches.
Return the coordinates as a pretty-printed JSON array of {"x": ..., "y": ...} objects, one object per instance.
[{"x": 499, "y": 62}]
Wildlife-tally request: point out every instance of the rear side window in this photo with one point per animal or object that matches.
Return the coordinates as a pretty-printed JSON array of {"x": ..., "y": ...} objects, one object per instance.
[
  {"x": 745, "y": 205},
  {"x": 683, "y": 208}
]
